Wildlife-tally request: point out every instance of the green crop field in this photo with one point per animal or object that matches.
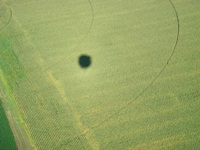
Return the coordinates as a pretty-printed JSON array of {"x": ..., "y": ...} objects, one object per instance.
[
  {"x": 140, "y": 92},
  {"x": 6, "y": 137}
]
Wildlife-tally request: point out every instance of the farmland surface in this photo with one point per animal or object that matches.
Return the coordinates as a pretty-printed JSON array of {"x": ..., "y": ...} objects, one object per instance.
[{"x": 141, "y": 90}]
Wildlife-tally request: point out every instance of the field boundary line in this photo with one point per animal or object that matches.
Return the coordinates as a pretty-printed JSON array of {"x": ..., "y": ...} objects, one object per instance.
[
  {"x": 13, "y": 104},
  {"x": 32, "y": 84},
  {"x": 83, "y": 129}
]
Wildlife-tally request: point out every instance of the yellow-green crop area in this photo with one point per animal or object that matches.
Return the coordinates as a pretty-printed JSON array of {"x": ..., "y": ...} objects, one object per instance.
[{"x": 140, "y": 92}]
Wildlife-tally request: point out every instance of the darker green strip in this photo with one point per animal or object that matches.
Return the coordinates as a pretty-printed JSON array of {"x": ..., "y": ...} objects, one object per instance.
[
  {"x": 9, "y": 63},
  {"x": 7, "y": 141}
]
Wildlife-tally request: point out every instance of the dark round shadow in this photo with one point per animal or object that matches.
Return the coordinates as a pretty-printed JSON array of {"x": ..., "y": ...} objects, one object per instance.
[{"x": 84, "y": 61}]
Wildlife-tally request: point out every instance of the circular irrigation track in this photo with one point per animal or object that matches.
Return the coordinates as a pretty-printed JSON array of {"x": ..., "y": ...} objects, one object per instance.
[
  {"x": 5, "y": 15},
  {"x": 167, "y": 61}
]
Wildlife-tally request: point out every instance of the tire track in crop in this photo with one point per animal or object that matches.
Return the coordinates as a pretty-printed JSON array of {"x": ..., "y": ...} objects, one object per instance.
[
  {"x": 148, "y": 86},
  {"x": 82, "y": 39},
  {"x": 10, "y": 17},
  {"x": 90, "y": 27},
  {"x": 158, "y": 75}
]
